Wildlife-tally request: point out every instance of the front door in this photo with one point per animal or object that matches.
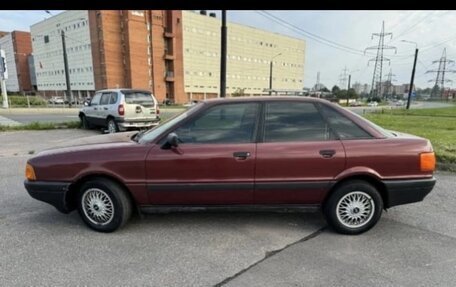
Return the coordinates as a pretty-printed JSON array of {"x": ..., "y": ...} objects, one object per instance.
[
  {"x": 214, "y": 162},
  {"x": 298, "y": 156}
]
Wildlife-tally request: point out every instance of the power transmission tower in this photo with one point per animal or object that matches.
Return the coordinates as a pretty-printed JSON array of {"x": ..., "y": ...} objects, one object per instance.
[
  {"x": 439, "y": 86},
  {"x": 389, "y": 84},
  {"x": 376, "y": 88},
  {"x": 343, "y": 78}
]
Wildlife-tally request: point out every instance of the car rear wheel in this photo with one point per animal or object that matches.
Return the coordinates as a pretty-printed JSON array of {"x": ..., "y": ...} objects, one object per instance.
[
  {"x": 104, "y": 205},
  {"x": 354, "y": 207},
  {"x": 112, "y": 126}
]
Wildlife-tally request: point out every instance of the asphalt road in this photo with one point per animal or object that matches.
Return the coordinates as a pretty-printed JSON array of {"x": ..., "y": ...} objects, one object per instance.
[
  {"x": 413, "y": 245},
  {"x": 56, "y": 115}
]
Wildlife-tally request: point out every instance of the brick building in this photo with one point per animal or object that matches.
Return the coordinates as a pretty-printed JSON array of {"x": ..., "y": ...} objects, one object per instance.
[
  {"x": 111, "y": 49},
  {"x": 18, "y": 47},
  {"x": 174, "y": 54}
]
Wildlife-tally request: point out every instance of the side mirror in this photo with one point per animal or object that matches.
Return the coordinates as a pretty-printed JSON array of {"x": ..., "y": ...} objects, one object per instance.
[
  {"x": 171, "y": 141},
  {"x": 86, "y": 103}
]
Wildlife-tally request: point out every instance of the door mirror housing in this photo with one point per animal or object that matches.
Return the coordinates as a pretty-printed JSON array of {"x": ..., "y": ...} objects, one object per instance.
[{"x": 172, "y": 140}]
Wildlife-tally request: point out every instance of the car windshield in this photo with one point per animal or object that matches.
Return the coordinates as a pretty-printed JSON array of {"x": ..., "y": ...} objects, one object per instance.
[
  {"x": 139, "y": 98},
  {"x": 151, "y": 134}
]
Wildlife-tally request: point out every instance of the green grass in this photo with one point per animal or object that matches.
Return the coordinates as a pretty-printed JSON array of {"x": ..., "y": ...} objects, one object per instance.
[
  {"x": 437, "y": 125},
  {"x": 21, "y": 101},
  {"x": 42, "y": 126}
]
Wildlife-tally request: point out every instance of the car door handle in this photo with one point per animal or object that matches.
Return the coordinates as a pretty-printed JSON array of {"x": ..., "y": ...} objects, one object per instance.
[
  {"x": 95, "y": 109},
  {"x": 105, "y": 108},
  {"x": 327, "y": 153},
  {"x": 241, "y": 155}
]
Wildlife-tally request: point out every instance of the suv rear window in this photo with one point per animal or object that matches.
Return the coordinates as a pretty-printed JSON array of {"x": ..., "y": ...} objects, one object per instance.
[{"x": 139, "y": 98}]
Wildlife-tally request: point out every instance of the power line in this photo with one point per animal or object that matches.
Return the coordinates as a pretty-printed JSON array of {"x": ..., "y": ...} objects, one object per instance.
[{"x": 439, "y": 86}]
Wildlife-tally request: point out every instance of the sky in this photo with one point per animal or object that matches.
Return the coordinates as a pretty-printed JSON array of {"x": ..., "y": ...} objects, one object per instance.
[{"x": 349, "y": 33}]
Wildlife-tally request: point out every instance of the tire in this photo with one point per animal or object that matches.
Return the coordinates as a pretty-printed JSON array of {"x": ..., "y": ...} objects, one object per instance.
[
  {"x": 364, "y": 213},
  {"x": 84, "y": 122},
  {"x": 112, "y": 126},
  {"x": 95, "y": 200}
]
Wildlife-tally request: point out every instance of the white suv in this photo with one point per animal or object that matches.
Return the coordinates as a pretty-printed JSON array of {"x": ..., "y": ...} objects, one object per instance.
[{"x": 120, "y": 110}]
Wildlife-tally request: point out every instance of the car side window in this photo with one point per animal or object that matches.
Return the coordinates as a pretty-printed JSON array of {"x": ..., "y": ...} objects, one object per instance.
[
  {"x": 105, "y": 98},
  {"x": 113, "y": 98},
  {"x": 96, "y": 100},
  {"x": 343, "y": 126},
  {"x": 294, "y": 121},
  {"x": 228, "y": 123}
]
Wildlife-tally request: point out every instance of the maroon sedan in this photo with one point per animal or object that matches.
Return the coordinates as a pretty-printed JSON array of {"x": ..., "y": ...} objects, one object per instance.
[{"x": 256, "y": 153}]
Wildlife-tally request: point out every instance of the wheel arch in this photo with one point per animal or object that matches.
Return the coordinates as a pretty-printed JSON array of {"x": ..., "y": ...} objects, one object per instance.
[
  {"x": 73, "y": 190},
  {"x": 371, "y": 179}
]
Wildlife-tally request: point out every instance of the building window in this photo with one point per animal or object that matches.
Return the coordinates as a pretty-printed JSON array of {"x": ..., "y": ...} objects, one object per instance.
[{"x": 46, "y": 39}]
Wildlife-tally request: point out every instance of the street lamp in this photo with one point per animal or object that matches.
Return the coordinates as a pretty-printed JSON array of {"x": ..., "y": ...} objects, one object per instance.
[
  {"x": 413, "y": 72},
  {"x": 270, "y": 73}
]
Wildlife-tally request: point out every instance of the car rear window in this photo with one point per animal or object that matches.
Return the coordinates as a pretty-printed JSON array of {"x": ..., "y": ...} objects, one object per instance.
[{"x": 139, "y": 98}]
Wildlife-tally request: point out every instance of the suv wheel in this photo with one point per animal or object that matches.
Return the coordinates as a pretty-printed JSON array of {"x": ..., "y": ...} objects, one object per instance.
[
  {"x": 355, "y": 207},
  {"x": 112, "y": 126},
  {"x": 103, "y": 205}
]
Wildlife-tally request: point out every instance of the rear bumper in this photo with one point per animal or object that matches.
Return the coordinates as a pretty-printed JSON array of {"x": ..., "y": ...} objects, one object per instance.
[
  {"x": 53, "y": 193},
  {"x": 407, "y": 191},
  {"x": 140, "y": 123}
]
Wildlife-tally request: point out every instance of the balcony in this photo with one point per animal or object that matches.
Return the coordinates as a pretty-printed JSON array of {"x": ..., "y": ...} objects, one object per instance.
[
  {"x": 169, "y": 34},
  {"x": 169, "y": 76},
  {"x": 169, "y": 56}
]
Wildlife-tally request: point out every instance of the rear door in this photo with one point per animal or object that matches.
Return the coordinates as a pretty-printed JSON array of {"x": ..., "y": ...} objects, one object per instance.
[
  {"x": 140, "y": 106},
  {"x": 298, "y": 155},
  {"x": 103, "y": 109}
]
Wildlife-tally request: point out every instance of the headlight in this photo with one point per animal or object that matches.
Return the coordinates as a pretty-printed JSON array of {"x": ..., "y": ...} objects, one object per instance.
[{"x": 30, "y": 172}]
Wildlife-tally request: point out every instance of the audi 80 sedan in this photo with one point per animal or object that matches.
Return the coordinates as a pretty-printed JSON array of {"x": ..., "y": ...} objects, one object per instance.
[{"x": 254, "y": 153}]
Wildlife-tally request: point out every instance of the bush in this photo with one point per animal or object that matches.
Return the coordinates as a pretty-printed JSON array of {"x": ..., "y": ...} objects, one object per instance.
[{"x": 21, "y": 101}]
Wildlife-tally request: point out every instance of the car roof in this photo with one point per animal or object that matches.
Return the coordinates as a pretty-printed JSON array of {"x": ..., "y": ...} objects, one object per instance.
[
  {"x": 265, "y": 98},
  {"x": 122, "y": 90}
]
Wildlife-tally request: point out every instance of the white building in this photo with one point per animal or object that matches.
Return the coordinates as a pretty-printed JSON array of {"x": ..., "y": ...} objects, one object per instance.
[
  {"x": 48, "y": 53},
  {"x": 6, "y": 43}
]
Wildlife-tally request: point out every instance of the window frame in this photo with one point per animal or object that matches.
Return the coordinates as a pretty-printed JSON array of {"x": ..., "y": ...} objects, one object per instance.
[
  {"x": 261, "y": 139},
  {"x": 336, "y": 133},
  {"x": 162, "y": 138}
]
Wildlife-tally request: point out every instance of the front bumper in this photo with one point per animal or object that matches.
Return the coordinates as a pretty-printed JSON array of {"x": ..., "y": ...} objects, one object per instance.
[
  {"x": 53, "y": 193},
  {"x": 407, "y": 191}
]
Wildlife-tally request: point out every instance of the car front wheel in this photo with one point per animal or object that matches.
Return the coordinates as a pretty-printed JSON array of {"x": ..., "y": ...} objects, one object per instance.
[
  {"x": 354, "y": 207},
  {"x": 104, "y": 205}
]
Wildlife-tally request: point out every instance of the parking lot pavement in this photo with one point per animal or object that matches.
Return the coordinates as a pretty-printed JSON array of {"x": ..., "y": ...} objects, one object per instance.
[{"x": 412, "y": 245}]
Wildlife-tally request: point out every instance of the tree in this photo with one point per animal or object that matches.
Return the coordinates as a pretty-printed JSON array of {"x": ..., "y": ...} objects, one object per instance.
[
  {"x": 325, "y": 89},
  {"x": 335, "y": 90}
]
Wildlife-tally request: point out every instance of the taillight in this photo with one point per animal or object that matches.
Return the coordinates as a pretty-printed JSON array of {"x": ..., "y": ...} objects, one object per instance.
[
  {"x": 30, "y": 172},
  {"x": 427, "y": 161},
  {"x": 121, "y": 110}
]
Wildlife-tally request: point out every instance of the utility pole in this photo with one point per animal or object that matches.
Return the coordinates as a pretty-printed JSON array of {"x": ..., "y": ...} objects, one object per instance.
[
  {"x": 3, "y": 76},
  {"x": 376, "y": 88},
  {"x": 223, "y": 57},
  {"x": 270, "y": 73},
  {"x": 440, "y": 78},
  {"x": 67, "y": 74},
  {"x": 411, "y": 80},
  {"x": 348, "y": 89}
]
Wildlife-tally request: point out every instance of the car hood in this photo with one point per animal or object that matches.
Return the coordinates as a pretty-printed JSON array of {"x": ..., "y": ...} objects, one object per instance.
[{"x": 91, "y": 142}]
